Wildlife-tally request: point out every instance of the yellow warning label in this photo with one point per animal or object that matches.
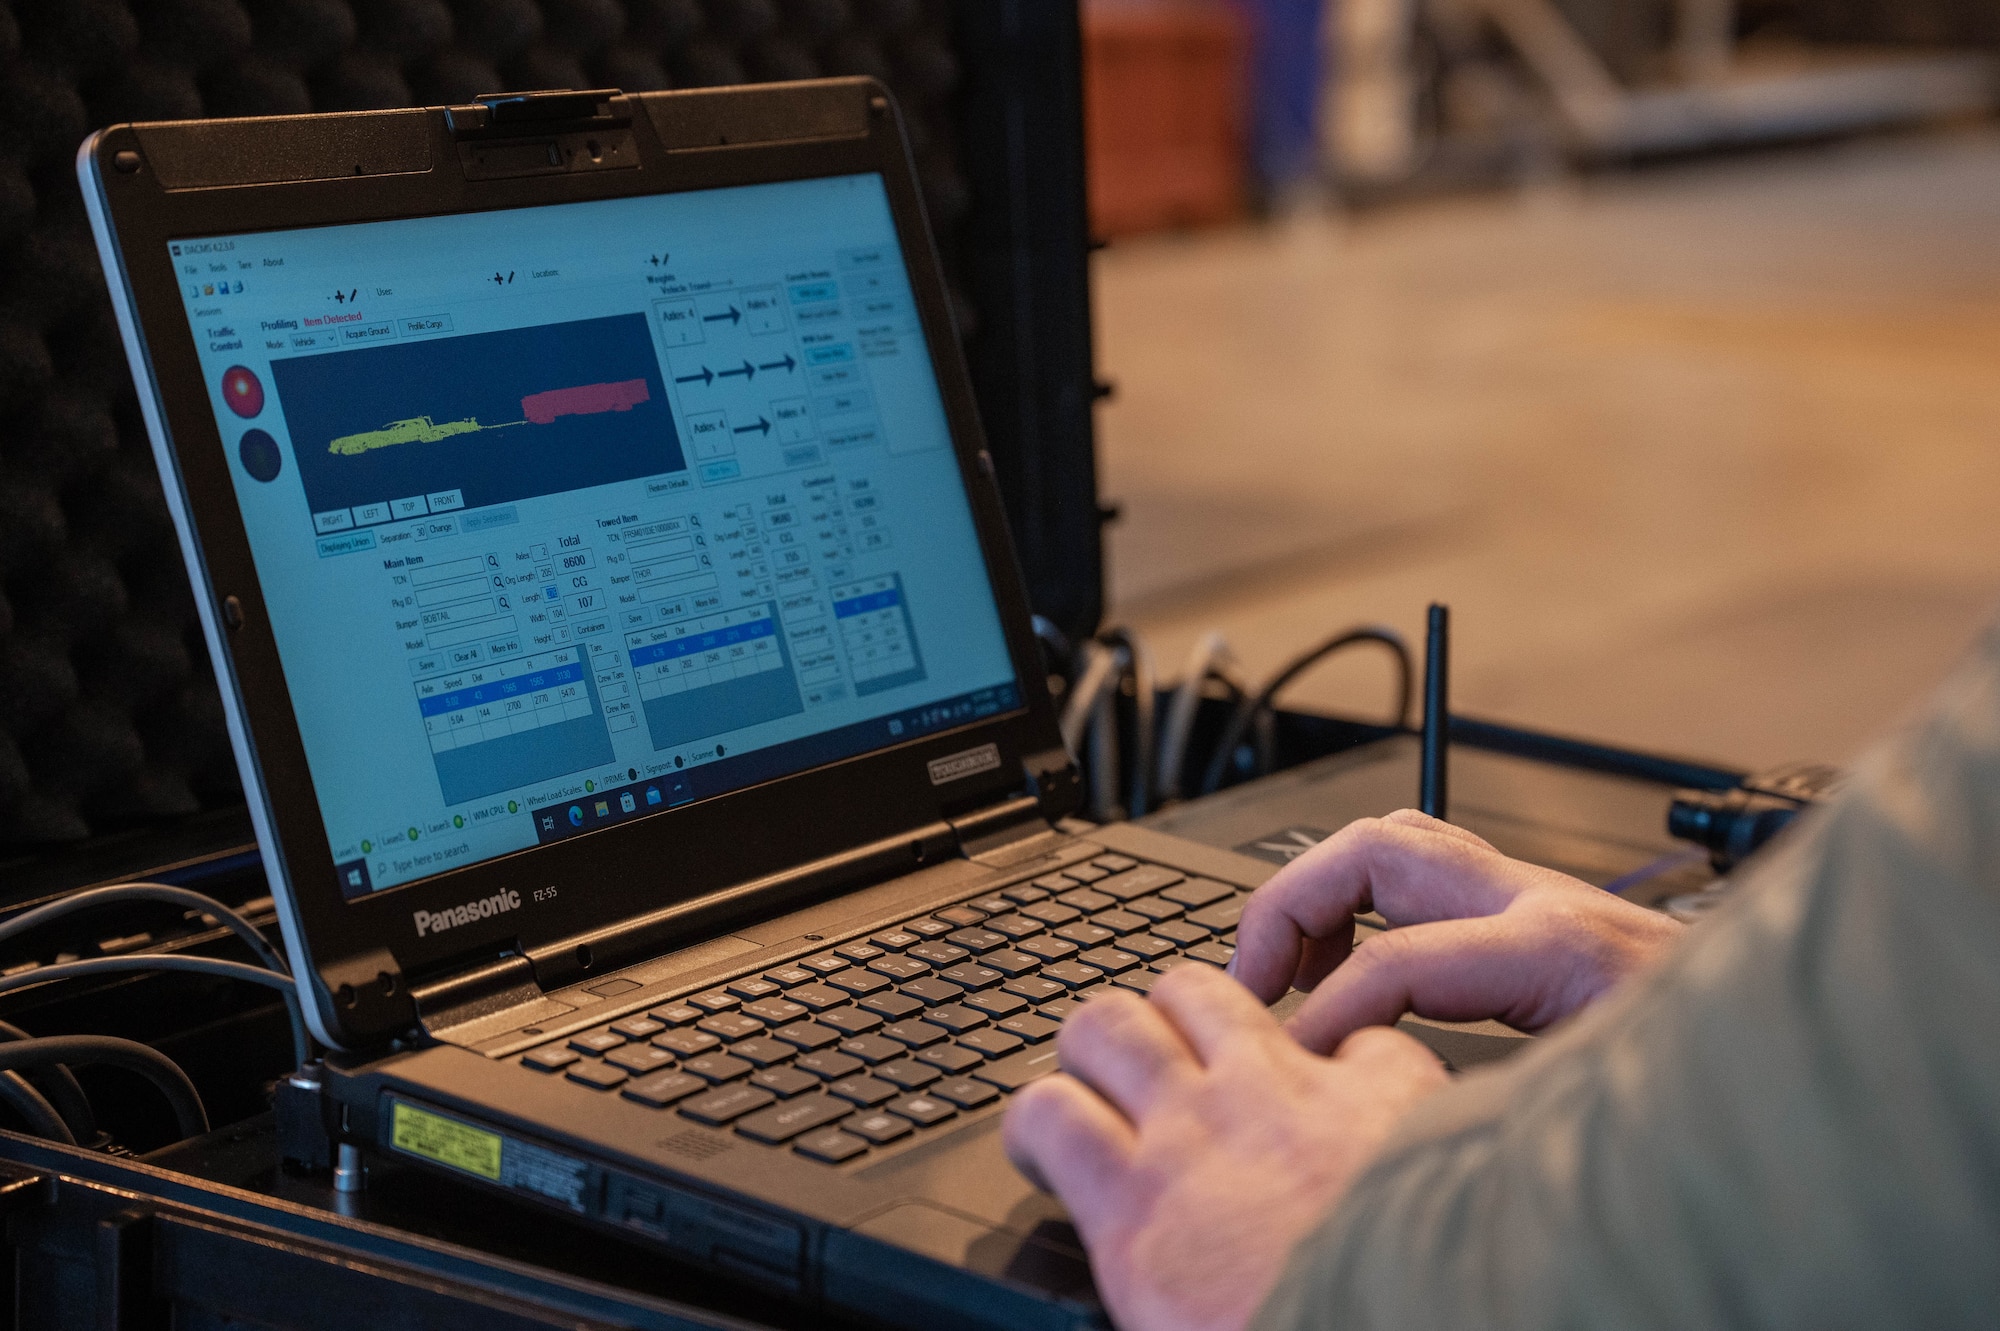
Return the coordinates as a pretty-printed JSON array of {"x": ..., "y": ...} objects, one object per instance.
[{"x": 445, "y": 1140}]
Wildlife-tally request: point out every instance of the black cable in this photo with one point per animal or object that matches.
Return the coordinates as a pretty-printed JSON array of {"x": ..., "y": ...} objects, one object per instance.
[
  {"x": 1246, "y": 710},
  {"x": 1431, "y": 777},
  {"x": 176, "y": 896},
  {"x": 148, "y": 1062},
  {"x": 156, "y": 961},
  {"x": 39, "y": 1115},
  {"x": 61, "y": 1089},
  {"x": 1144, "y": 704}
]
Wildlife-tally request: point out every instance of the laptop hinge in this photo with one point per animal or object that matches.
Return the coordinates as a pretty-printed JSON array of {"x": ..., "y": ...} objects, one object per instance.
[
  {"x": 492, "y": 996},
  {"x": 1005, "y": 833}
]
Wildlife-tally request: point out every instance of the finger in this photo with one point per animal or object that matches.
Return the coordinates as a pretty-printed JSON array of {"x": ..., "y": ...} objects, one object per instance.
[
  {"x": 1419, "y": 819},
  {"x": 1210, "y": 1011},
  {"x": 1126, "y": 1050},
  {"x": 1067, "y": 1140},
  {"x": 1452, "y": 970}
]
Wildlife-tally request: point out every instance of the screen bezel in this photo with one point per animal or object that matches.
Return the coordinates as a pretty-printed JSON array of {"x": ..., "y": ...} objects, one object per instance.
[{"x": 587, "y": 884}]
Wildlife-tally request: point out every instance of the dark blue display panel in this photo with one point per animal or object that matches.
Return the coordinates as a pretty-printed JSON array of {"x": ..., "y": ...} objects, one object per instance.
[{"x": 495, "y": 416}]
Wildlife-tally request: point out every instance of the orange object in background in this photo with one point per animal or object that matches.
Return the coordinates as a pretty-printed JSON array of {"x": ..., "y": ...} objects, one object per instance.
[{"x": 1164, "y": 114}]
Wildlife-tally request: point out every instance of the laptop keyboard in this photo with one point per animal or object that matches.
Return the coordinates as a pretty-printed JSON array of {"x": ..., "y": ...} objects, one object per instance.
[{"x": 875, "y": 1040}]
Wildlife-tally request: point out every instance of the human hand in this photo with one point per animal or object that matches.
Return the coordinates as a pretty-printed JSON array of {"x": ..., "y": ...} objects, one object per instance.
[
  {"x": 1195, "y": 1143},
  {"x": 1482, "y": 935}
]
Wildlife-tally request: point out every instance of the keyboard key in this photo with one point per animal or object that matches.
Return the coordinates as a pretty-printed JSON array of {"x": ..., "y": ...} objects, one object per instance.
[
  {"x": 1085, "y": 934},
  {"x": 784, "y": 1082},
  {"x": 968, "y": 975},
  {"x": 1214, "y": 953},
  {"x": 1109, "y": 960},
  {"x": 1165, "y": 964},
  {"x": 1039, "y": 889},
  {"x": 761, "y": 1051},
  {"x": 871, "y": 1049},
  {"x": 893, "y": 1006},
  {"x": 832, "y": 1146},
  {"x": 991, "y": 1043},
  {"x": 638, "y": 1028},
  {"x": 663, "y": 1088},
  {"x": 992, "y": 905},
  {"x": 849, "y": 1020},
  {"x": 1139, "y": 982},
  {"x": 596, "y": 1042},
  {"x": 824, "y": 963},
  {"x": 730, "y": 1025},
  {"x": 687, "y": 1043},
  {"x": 864, "y": 1091},
  {"x": 781, "y": 1123},
  {"x": 718, "y": 1067},
  {"x": 1180, "y": 931},
  {"x": 900, "y": 968},
  {"x": 1084, "y": 873},
  {"x": 751, "y": 987},
  {"x": 857, "y": 981},
  {"x": 895, "y": 940},
  {"x": 786, "y": 977},
  {"x": 1153, "y": 908},
  {"x": 976, "y": 940},
  {"x": 1034, "y": 988},
  {"x": 955, "y": 1017},
  {"x": 817, "y": 996},
  {"x": 1030, "y": 1027},
  {"x": 1149, "y": 946},
  {"x": 922, "y": 1110},
  {"x": 939, "y": 954},
  {"x": 1139, "y": 882},
  {"x": 1198, "y": 892},
  {"x": 808, "y": 1035},
  {"x": 908, "y": 1074},
  {"x": 1017, "y": 1070},
  {"x": 775, "y": 1011},
  {"x": 829, "y": 1065},
  {"x": 1115, "y": 863},
  {"x": 878, "y": 1127},
  {"x": 951, "y": 1058},
  {"x": 1087, "y": 900},
  {"x": 933, "y": 991},
  {"x": 715, "y": 1000},
  {"x": 915, "y": 1034},
  {"x": 597, "y": 1076},
  {"x": 960, "y": 915},
  {"x": 1009, "y": 962},
  {"x": 1222, "y": 916},
  {"x": 1120, "y": 921},
  {"x": 1015, "y": 926},
  {"x": 1071, "y": 974},
  {"x": 1051, "y": 912},
  {"x": 858, "y": 953},
  {"x": 1059, "y": 1010},
  {"x": 965, "y": 1092},
  {"x": 1048, "y": 948},
  {"x": 639, "y": 1059},
  {"x": 996, "y": 1003},
  {"x": 677, "y": 1014},
  {"x": 929, "y": 928},
  {"x": 550, "y": 1060}
]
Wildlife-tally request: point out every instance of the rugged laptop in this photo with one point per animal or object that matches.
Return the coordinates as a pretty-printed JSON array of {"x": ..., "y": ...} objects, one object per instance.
[{"x": 630, "y": 673}]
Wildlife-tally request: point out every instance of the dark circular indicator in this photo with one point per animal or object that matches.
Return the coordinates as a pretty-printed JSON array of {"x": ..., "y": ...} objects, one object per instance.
[
  {"x": 242, "y": 391},
  {"x": 260, "y": 455}
]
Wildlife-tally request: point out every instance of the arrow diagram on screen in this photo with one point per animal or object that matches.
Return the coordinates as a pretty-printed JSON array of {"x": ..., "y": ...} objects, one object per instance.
[
  {"x": 734, "y": 316},
  {"x": 707, "y": 376},
  {"x": 787, "y": 364},
  {"x": 746, "y": 371},
  {"x": 762, "y": 425}
]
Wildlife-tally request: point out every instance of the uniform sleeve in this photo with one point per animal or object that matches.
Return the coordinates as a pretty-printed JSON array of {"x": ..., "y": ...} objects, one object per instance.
[{"x": 1793, "y": 1122}]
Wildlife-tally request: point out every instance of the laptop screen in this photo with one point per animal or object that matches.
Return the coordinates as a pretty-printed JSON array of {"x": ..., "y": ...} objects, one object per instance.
[{"x": 566, "y": 516}]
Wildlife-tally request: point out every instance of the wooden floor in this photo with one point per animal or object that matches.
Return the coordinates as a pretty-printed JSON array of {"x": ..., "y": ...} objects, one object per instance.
[{"x": 1706, "y": 459}]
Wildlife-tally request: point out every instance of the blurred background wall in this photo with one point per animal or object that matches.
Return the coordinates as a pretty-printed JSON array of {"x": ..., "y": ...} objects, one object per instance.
[{"x": 1660, "y": 337}]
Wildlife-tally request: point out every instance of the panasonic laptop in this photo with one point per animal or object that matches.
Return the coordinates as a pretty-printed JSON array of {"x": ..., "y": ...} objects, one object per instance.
[{"x": 630, "y": 673}]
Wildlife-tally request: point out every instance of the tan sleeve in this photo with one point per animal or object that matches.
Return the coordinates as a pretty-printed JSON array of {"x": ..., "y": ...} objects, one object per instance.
[{"x": 1795, "y": 1121}]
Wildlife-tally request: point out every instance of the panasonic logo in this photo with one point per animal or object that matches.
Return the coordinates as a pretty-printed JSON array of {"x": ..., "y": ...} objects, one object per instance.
[
  {"x": 960, "y": 765},
  {"x": 437, "y": 921}
]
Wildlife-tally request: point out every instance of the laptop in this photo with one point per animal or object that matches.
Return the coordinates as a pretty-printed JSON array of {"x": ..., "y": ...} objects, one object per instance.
[{"x": 630, "y": 675}]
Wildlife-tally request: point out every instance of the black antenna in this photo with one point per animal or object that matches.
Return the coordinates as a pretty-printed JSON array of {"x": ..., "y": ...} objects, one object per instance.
[{"x": 1437, "y": 712}]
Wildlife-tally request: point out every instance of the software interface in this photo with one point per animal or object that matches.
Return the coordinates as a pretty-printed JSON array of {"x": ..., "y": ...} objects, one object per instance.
[{"x": 569, "y": 515}]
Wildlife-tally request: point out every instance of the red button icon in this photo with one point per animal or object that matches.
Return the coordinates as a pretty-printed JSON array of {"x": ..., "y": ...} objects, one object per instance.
[{"x": 242, "y": 392}]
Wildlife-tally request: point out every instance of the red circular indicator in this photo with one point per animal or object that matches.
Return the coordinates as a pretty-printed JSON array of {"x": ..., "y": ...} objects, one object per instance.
[{"x": 242, "y": 392}]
